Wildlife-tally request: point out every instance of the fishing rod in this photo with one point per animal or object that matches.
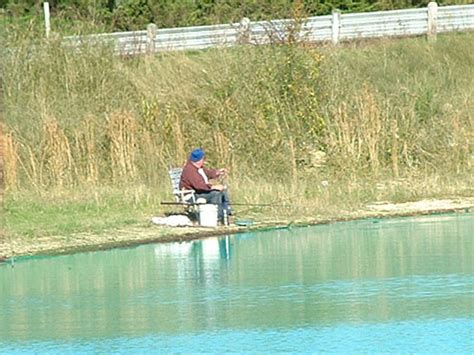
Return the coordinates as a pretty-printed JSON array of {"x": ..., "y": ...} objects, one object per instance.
[
  {"x": 257, "y": 204},
  {"x": 232, "y": 204},
  {"x": 251, "y": 205},
  {"x": 278, "y": 203}
]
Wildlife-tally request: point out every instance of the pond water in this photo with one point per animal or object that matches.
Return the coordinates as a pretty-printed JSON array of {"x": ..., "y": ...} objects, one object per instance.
[{"x": 403, "y": 285}]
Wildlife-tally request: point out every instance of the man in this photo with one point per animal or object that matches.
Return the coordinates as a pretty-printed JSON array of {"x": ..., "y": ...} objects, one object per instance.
[{"x": 196, "y": 177}]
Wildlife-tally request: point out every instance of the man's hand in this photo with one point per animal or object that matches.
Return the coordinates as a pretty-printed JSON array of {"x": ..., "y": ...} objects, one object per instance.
[
  {"x": 218, "y": 187},
  {"x": 222, "y": 171}
]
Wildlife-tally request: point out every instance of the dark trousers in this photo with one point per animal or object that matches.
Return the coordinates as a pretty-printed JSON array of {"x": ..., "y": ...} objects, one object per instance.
[{"x": 219, "y": 198}]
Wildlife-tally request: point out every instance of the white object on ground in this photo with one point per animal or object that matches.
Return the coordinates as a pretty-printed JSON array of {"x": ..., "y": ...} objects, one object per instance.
[
  {"x": 172, "y": 221},
  {"x": 208, "y": 215}
]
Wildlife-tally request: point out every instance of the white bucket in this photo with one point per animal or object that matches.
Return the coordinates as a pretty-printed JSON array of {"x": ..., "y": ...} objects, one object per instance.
[{"x": 208, "y": 215}]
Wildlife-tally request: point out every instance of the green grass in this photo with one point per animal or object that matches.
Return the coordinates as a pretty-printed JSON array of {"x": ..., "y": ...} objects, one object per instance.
[{"x": 35, "y": 215}]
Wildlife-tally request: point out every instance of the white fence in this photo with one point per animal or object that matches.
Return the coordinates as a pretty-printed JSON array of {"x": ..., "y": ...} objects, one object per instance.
[{"x": 336, "y": 27}]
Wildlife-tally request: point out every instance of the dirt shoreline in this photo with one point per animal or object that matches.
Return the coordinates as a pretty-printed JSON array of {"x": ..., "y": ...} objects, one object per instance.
[{"x": 128, "y": 237}]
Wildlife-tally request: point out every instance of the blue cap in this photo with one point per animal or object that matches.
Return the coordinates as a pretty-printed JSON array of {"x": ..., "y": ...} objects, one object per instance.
[{"x": 197, "y": 154}]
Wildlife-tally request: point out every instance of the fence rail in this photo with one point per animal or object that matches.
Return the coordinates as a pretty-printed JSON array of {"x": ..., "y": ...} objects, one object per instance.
[{"x": 335, "y": 28}]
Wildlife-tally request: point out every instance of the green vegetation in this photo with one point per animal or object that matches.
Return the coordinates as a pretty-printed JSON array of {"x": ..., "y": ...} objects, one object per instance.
[
  {"x": 89, "y": 135},
  {"x": 111, "y": 15}
]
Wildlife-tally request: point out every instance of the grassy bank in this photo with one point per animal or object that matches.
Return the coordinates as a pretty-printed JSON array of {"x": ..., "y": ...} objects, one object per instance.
[
  {"x": 97, "y": 210},
  {"x": 89, "y": 135}
]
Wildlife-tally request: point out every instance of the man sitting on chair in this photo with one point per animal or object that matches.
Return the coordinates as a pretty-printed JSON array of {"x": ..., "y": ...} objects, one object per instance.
[{"x": 196, "y": 177}]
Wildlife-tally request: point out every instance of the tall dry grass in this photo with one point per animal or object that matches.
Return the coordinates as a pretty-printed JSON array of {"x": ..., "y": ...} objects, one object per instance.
[{"x": 285, "y": 114}]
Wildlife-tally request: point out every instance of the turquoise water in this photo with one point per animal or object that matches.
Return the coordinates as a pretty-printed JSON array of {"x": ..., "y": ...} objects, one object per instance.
[{"x": 395, "y": 285}]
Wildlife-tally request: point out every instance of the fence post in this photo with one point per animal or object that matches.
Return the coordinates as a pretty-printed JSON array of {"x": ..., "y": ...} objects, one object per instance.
[
  {"x": 244, "y": 31},
  {"x": 432, "y": 21},
  {"x": 47, "y": 22},
  {"x": 336, "y": 23},
  {"x": 150, "y": 37}
]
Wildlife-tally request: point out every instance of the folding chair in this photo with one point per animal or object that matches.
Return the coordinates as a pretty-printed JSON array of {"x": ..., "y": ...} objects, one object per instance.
[
  {"x": 185, "y": 198},
  {"x": 181, "y": 196}
]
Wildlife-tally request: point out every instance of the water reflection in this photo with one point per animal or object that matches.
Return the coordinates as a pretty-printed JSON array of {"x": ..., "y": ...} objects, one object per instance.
[
  {"x": 196, "y": 261},
  {"x": 348, "y": 274},
  {"x": 209, "y": 248}
]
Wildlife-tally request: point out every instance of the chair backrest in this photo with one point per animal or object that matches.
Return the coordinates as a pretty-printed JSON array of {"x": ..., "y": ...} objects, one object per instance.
[
  {"x": 175, "y": 177},
  {"x": 181, "y": 196}
]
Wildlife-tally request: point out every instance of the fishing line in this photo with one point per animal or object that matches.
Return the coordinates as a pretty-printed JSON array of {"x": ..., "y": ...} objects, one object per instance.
[{"x": 272, "y": 205}]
